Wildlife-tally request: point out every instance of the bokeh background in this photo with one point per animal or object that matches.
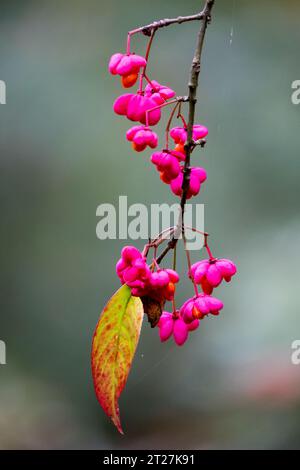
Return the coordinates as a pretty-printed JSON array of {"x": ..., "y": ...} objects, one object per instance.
[{"x": 63, "y": 152}]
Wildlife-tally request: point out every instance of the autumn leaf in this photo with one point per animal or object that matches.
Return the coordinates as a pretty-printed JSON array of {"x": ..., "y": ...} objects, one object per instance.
[{"x": 114, "y": 344}]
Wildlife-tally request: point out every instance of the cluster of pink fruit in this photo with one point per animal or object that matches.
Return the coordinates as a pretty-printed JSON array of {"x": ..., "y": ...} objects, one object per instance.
[
  {"x": 144, "y": 107},
  {"x": 134, "y": 271}
]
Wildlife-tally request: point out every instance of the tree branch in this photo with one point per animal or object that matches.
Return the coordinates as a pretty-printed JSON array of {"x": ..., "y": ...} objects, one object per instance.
[
  {"x": 149, "y": 28},
  {"x": 205, "y": 16}
]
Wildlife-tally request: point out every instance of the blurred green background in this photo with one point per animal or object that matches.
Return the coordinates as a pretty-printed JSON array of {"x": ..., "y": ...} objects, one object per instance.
[{"x": 63, "y": 152}]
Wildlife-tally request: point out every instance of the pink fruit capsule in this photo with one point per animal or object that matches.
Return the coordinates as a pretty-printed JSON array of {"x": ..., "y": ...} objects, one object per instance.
[{"x": 180, "y": 332}]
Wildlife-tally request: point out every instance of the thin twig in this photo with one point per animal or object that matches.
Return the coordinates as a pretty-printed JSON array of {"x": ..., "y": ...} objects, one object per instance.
[
  {"x": 211, "y": 257},
  {"x": 143, "y": 74},
  {"x": 188, "y": 257},
  {"x": 205, "y": 16},
  {"x": 166, "y": 103}
]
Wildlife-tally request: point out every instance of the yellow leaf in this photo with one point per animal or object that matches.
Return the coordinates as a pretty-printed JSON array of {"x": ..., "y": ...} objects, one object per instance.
[{"x": 114, "y": 344}]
